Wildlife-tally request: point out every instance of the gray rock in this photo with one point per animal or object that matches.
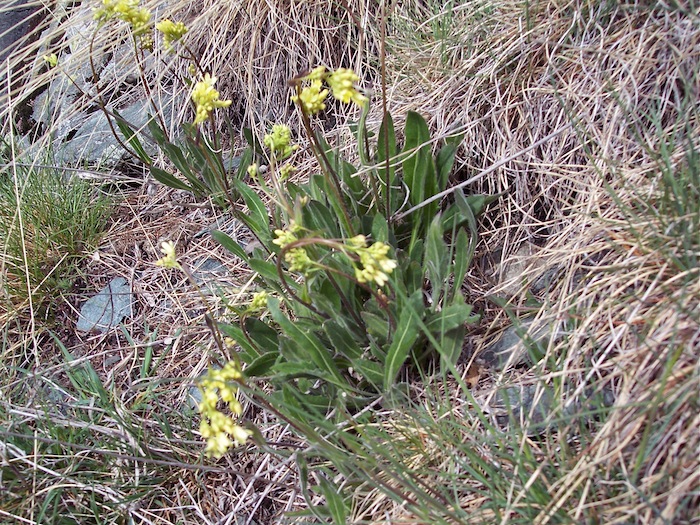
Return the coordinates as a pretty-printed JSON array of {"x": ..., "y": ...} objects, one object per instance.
[
  {"x": 106, "y": 310},
  {"x": 69, "y": 107},
  {"x": 17, "y": 20},
  {"x": 194, "y": 398},
  {"x": 526, "y": 405},
  {"x": 95, "y": 144},
  {"x": 62, "y": 106},
  {"x": 545, "y": 280},
  {"x": 211, "y": 275},
  {"x": 510, "y": 350},
  {"x": 534, "y": 407}
]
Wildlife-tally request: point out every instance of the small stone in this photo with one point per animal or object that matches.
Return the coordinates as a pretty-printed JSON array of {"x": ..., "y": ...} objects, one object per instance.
[
  {"x": 544, "y": 282},
  {"x": 194, "y": 398},
  {"x": 107, "y": 308},
  {"x": 510, "y": 350},
  {"x": 526, "y": 405},
  {"x": 533, "y": 406}
]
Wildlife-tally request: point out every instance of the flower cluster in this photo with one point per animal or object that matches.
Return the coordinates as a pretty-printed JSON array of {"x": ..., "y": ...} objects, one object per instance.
[
  {"x": 172, "y": 32},
  {"x": 129, "y": 11},
  {"x": 341, "y": 82},
  {"x": 312, "y": 98},
  {"x": 206, "y": 98},
  {"x": 279, "y": 141},
  {"x": 259, "y": 302},
  {"x": 220, "y": 430},
  {"x": 297, "y": 258},
  {"x": 51, "y": 60},
  {"x": 286, "y": 170},
  {"x": 169, "y": 260},
  {"x": 288, "y": 236},
  {"x": 374, "y": 266}
]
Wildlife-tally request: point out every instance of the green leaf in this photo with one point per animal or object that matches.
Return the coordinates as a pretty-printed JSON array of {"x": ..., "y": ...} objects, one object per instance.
[
  {"x": 267, "y": 270},
  {"x": 449, "y": 318},
  {"x": 403, "y": 340},
  {"x": 334, "y": 501},
  {"x": 306, "y": 342},
  {"x": 178, "y": 158},
  {"x": 319, "y": 218},
  {"x": 207, "y": 163},
  {"x": 343, "y": 169},
  {"x": 83, "y": 376},
  {"x": 343, "y": 342},
  {"x": 413, "y": 268},
  {"x": 435, "y": 262},
  {"x": 262, "y": 334},
  {"x": 478, "y": 203},
  {"x": 463, "y": 252},
  {"x": 262, "y": 365},
  {"x": 370, "y": 371},
  {"x": 451, "y": 344},
  {"x": 318, "y": 188},
  {"x": 253, "y": 142},
  {"x": 250, "y": 352},
  {"x": 258, "y": 218},
  {"x": 444, "y": 162},
  {"x": 418, "y": 166},
  {"x": 380, "y": 229},
  {"x": 169, "y": 179},
  {"x": 132, "y": 138},
  {"x": 386, "y": 149},
  {"x": 297, "y": 369},
  {"x": 465, "y": 210},
  {"x": 245, "y": 161},
  {"x": 377, "y": 326},
  {"x": 228, "y": 243},
  {"x": 328, "y": 303},
  {"x": 307, "y": 407}
]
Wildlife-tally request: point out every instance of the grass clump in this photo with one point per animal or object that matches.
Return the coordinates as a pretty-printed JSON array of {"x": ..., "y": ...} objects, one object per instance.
[{"x": 49, "y": 221}]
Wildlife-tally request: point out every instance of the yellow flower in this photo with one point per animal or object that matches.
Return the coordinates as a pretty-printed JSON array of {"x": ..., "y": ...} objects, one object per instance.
[
  {"x": 127, "y": 10},
  {"x": 342, "y": 84},
  {"x": 279, "y": 141},
  {"x": 218, "y": 445},
  {"x": 206, "y": 98},
  {"x": 288, "y": 236},
  {"x": 221, "y": 430},
  {"x": 375, "y": 266},
  {"x": 167, "y": 248},
  {"x": 240, "y": 434},
  {"x": 358, "y": 241},
  {"x": 298, "y": 259},
  {"x": 312, "y": 98},
  {"x": 51, "y": 60},
  {"x": 317, "y": 73},
  {"x": 286, "y": 171},
  {"x": 172, "y": 32},
  {"x": 284, "y": 237},
  {"x": 259, "y": 301}
]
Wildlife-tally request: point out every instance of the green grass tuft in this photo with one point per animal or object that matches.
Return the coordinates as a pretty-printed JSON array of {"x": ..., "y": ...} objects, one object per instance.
[{"x": 49, "y": 221}]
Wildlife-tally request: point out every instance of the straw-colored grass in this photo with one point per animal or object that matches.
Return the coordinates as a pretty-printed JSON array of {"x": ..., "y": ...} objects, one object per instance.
[{"x": 609, "y": 205}]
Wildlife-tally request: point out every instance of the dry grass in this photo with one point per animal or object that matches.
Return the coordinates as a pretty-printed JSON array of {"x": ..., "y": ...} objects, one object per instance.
[{"x": 625, "y": 77}]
